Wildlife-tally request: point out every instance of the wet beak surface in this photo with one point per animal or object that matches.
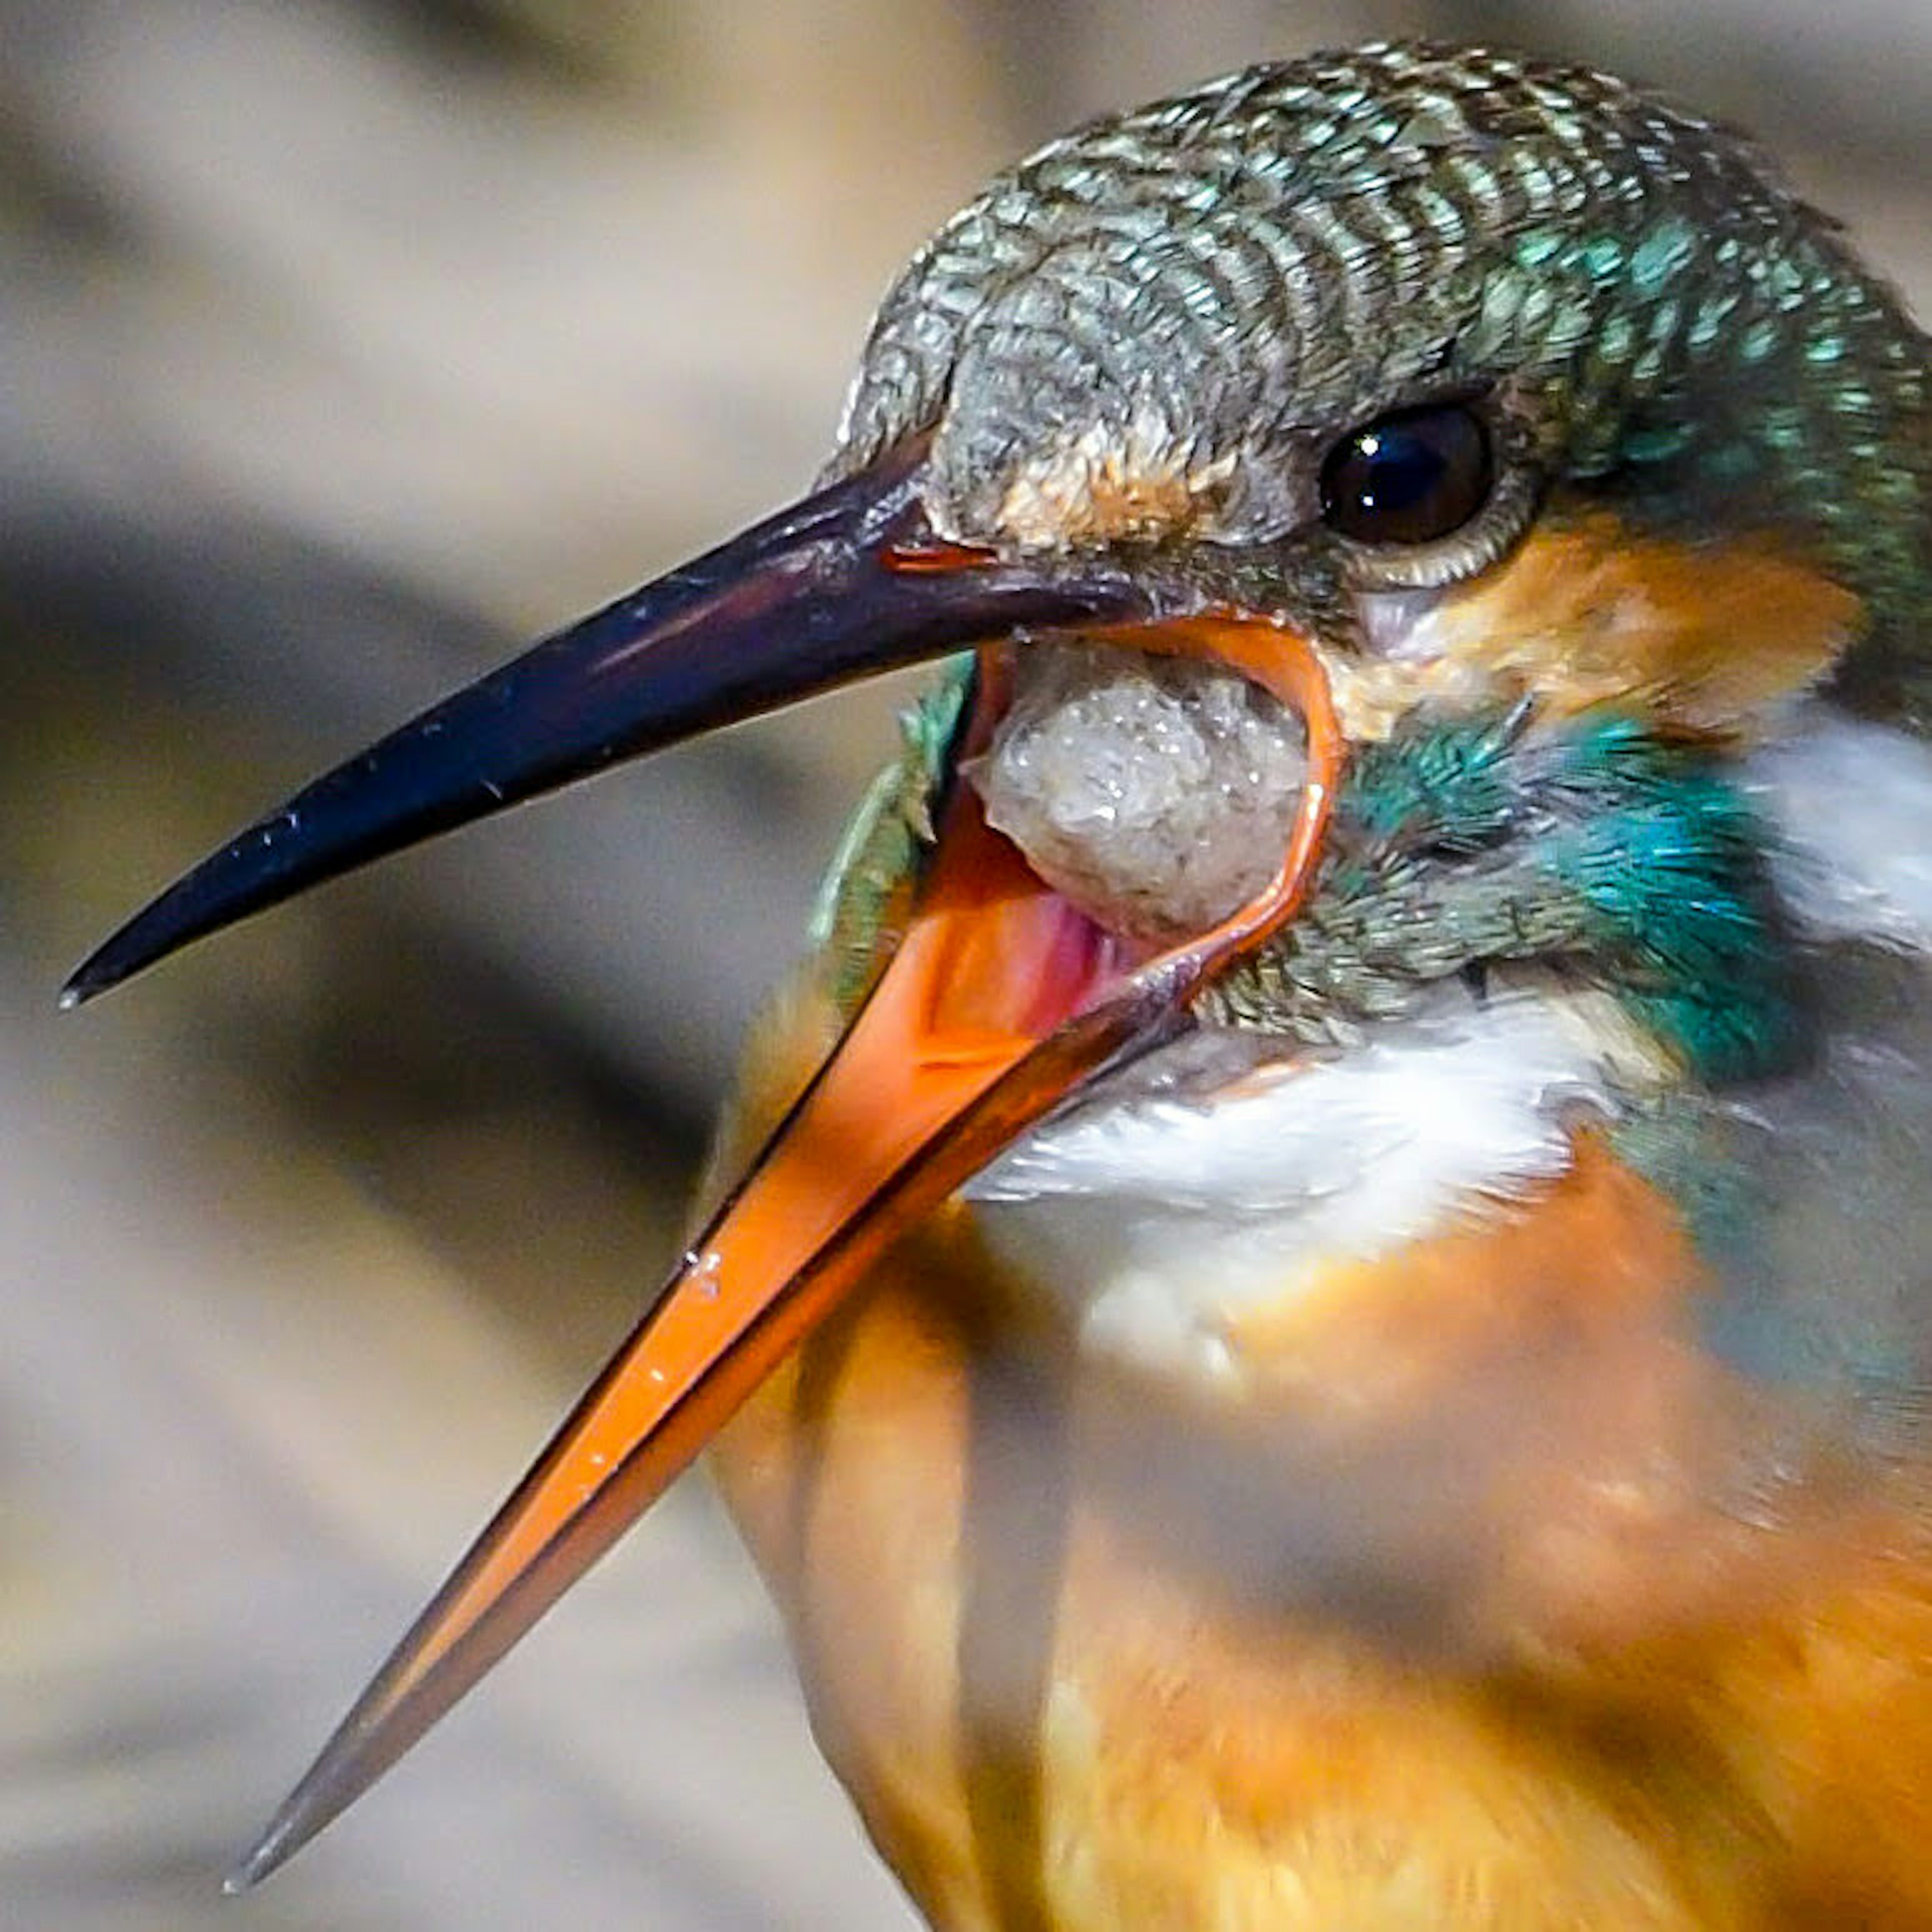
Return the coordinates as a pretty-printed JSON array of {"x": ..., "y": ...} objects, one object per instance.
[{"x": 998, "y": 1003}]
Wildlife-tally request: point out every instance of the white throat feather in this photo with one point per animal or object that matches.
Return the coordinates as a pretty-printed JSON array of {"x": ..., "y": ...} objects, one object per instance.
[{"x": 1159, "y": 1212}]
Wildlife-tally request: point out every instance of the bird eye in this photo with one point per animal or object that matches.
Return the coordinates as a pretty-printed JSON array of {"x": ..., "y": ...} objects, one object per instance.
[{"x": 1409, "y": 477}]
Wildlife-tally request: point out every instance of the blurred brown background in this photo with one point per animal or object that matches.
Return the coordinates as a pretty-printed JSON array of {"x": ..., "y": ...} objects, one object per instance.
[{"x": 344, "y": 345}]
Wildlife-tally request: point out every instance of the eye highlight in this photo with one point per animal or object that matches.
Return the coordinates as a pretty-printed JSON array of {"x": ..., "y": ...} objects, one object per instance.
[{"x": 1409, "y": 477}]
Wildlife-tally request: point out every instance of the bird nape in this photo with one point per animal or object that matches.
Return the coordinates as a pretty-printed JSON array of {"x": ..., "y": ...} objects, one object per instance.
[{"x": 1314, "y": 1302}]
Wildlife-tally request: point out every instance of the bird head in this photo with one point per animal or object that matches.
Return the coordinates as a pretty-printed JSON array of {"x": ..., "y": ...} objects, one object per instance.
[{"x": 1386, "y": 498}]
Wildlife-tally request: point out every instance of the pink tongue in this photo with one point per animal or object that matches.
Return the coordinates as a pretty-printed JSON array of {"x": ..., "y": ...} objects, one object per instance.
[
  {"x": 1022, "y": 960},
  {"x": 1078, "y": 961}
]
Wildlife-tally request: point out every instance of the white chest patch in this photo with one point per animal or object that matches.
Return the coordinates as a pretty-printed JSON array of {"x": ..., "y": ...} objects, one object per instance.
[{"x": 1160, "y": 1215}]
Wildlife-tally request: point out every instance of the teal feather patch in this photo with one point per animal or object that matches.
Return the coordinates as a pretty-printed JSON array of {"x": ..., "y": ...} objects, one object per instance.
[
  {"x": 1598, "y": 849},
  {"x": 1669, "y": 860}
]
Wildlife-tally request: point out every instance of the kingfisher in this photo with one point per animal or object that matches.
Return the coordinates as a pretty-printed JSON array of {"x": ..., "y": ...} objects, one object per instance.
[{"x": 1317, "y": 1302}]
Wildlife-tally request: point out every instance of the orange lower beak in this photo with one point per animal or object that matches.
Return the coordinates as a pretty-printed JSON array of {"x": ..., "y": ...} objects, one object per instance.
[{"x": 999, "y": 1001}]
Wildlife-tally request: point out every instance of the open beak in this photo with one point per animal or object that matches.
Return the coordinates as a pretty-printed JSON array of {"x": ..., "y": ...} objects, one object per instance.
[{"x": 998, "y": 1002}]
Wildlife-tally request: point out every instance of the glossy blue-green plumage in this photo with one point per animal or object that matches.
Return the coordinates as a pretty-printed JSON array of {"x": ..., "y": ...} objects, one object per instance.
[{"x": 1595, "y": 848}]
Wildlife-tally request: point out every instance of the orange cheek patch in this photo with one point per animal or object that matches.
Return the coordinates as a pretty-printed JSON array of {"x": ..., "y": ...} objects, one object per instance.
[{"x": 1705, "y": 639}]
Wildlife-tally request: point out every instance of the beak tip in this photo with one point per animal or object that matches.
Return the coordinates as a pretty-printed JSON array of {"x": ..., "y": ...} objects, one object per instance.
[
  {"x": 285, "y": 1835},
  {"x": 245, "y": 1873},
  {"x": 79, "y": 989},
  {"x": 117, "y": 958}
]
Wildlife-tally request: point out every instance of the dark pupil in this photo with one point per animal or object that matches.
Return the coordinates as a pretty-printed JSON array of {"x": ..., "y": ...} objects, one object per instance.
[{"x": 1409, "y": 478}]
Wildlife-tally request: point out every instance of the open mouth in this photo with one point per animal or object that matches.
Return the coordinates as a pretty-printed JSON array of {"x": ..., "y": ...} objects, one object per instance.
[
  {"x": 1101, "y": 806},
  {"x": 1018, "y": 978}
]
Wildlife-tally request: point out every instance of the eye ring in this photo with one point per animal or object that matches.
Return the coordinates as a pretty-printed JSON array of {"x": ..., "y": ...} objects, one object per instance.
[{"x": 1413, "y": 476}]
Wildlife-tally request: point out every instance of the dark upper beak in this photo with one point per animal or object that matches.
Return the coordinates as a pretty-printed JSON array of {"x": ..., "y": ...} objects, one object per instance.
[{"x": 845, "y": 583}]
